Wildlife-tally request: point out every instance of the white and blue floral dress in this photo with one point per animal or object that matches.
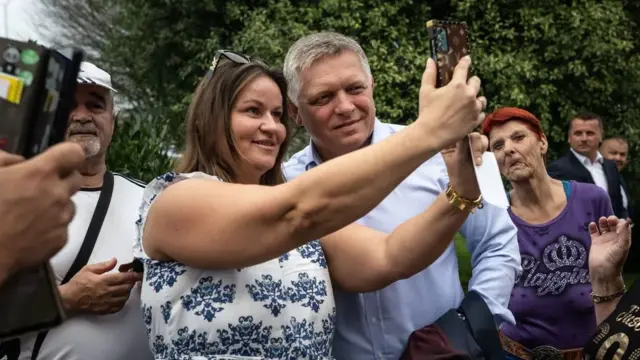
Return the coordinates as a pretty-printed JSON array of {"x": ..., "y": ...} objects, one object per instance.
[{"x": 280, "y": 309}]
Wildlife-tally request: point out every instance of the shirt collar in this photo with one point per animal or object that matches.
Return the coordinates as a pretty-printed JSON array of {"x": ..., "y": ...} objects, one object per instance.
[
  {"x": 380, "y": 132},
  {"x": 585, "y": 161}
]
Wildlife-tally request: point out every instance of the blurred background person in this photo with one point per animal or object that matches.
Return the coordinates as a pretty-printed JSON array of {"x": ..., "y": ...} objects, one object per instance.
[
  {"x": 584, "y": 163},
  {"x": 616, "y": 149}
]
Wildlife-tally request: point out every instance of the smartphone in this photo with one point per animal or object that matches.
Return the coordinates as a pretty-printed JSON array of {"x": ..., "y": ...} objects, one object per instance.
[
  {"x": 37, "y": 91},
  {"x": 135, "y": 266},
  {"x": 449, "y": 42}
]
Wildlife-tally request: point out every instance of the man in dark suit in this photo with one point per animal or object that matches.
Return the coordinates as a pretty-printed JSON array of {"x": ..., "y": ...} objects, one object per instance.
[
  {"x": 617, "y": 149},
  {"x": 584, "y": 163}
]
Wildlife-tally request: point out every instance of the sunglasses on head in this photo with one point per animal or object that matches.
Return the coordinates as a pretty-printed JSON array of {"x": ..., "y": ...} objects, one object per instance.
[{"x": 237, "y": 58}]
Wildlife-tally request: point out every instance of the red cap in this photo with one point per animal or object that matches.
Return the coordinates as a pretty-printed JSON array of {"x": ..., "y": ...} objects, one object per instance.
[{"x": 504, "y": 115}]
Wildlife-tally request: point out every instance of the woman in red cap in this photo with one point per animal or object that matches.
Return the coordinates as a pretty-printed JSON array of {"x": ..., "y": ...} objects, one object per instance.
[{"x": 553, "y": 299}]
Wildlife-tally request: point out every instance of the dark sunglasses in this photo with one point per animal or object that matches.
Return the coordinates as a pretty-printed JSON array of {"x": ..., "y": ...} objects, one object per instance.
[{"x": 230, "y": 55}]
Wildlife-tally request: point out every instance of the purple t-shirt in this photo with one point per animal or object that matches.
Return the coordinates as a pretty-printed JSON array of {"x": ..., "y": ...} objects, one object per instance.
[{"x": 550, "y": 300}]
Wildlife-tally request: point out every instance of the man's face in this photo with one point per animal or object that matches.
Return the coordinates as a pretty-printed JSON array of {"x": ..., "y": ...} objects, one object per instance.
[
  {"x": 585, "y": 136},
  {"x": 91, "y": 120},
  {"x": 616, "y": 150},
  {"x": 336, "y": 104}
]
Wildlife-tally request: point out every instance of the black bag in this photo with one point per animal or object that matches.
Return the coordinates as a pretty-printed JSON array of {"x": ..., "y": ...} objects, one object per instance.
[{"x": 471, "y": 329}]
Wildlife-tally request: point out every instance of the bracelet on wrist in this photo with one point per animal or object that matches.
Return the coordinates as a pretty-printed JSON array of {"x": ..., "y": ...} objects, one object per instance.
[
  {"x": 599, "y": 299},
  {"x": 460, "y": 202}
]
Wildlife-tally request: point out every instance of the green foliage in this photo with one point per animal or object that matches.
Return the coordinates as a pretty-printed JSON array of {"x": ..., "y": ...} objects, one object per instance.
[
  {"x": 551, "y": 57},
  {"x": 138, "y": 148},
  {"x": 391, "y": 33},
  {"x": 555, "y": 59},
  {"x": 464, "y": 261}
]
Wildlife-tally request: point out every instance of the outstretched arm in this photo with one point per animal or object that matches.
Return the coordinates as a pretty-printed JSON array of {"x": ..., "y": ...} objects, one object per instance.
[
  {"x": 210, "y": 224},
  {"x": 362, "y": 259}
]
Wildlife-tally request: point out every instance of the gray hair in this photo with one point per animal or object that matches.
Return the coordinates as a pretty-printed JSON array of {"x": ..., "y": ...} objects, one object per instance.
[{"x": 308, "y": 49}]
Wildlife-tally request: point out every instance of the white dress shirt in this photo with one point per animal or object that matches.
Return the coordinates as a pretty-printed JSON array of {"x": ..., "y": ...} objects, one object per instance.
[{"x": 595, "y": 168}]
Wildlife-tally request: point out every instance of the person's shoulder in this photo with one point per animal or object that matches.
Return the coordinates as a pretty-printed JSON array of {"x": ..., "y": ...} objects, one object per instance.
[
  {"x": 296, "y": 164},
  {"x": 612, "y": 166},
  {"x": 172, "y": 177},
  {"x": 589, "y": 192},
  {"x": 560, "y": 168},
  {"x": 161, "y": 182},
  {"x": 129, "y": 180},
  {"x": 394, "y": 127},
  {"x": 559, "y": 161}
]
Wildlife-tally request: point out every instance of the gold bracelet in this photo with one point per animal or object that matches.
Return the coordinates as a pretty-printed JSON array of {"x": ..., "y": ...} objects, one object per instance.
[
  {"x": 462, "y": 203},
  {"x": 599, "y": 299}
]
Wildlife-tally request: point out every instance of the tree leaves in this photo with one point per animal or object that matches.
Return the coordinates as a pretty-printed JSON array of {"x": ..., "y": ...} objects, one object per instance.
[{"x": 551, "y": 57}]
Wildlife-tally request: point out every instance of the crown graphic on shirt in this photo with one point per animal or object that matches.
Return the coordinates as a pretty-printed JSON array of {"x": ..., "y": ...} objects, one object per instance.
[{"x": 564, "y": 252}]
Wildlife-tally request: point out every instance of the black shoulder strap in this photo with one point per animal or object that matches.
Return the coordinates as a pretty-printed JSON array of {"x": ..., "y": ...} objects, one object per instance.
[
  {"x": 94, "y": 228},
  {"x": 87, "y": 245},
  {"x": 482, "y": 325}
]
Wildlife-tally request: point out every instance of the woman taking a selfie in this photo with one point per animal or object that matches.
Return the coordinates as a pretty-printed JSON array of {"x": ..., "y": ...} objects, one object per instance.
[{"x": 233, "y": 267}]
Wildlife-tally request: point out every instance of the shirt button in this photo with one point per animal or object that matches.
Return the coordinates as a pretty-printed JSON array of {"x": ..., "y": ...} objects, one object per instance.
[{"x": 373, "y": 320}]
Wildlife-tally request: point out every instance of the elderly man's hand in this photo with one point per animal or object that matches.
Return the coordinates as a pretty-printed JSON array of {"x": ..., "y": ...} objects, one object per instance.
[{"x": 98, "y": 290}]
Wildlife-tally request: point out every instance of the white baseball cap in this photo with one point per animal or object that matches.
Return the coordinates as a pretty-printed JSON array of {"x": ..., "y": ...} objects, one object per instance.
[{"x": 91, "y": 74}]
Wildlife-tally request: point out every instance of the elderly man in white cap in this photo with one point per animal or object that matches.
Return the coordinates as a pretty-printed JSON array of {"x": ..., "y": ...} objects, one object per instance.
[{"x": 98, "y": 286}]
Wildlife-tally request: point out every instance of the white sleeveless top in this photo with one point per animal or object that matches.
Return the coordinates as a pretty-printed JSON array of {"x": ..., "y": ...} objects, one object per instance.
[{"x": 280, "y": 309}]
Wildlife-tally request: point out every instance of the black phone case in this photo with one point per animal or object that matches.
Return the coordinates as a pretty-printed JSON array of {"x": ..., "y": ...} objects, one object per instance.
[
  {"x": 29, "y": 299},
  {"x": 37, "y": 116}
]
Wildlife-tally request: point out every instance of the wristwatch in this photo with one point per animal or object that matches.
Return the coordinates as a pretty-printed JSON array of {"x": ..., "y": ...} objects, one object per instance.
[{"x": 462, "y": 203}]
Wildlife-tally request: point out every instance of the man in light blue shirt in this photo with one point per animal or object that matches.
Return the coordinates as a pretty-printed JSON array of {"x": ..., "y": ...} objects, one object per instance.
[{"x": 331, "y": 88}]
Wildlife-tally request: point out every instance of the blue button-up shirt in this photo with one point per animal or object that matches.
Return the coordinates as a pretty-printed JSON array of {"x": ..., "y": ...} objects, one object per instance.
[{"x": 377, "y": 325}]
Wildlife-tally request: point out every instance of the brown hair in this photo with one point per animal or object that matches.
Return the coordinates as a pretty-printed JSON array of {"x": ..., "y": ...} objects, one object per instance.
[
  {"x": 209, "y": 142},
  {"x": 586, "y": 116}
]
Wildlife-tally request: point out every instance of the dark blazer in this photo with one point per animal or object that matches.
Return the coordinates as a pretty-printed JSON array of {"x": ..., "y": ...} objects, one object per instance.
[
  {"x": 630, "y": 210},
  {"x": 633, "y": 260},
  {"x": 569, "y": 167}
]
